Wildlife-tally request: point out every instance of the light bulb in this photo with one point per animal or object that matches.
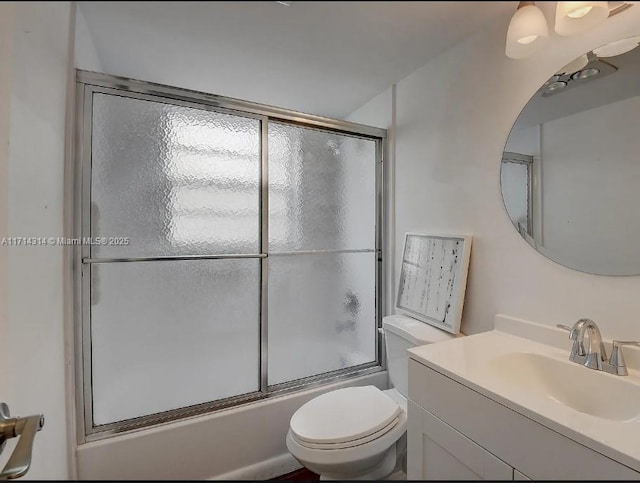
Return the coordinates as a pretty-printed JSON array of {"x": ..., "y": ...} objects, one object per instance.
[
  {"x": 527, "y": 40},
  {"x": 555, "y": 87},
  {"x": 527, "y": 31},
  {"x": 579, "y": 12},
  {"x": 575, "y": 17},
  {"x": 552, "y": 79},
  {"x": 585, "y": 74}
]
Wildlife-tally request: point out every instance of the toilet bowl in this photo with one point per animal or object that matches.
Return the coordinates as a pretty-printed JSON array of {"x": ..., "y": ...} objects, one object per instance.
[
  {"x": 360, "y": 432},
  {"x": 349, "y": 433}
]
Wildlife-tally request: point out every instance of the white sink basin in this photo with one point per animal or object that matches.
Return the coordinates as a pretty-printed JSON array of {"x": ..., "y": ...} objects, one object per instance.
[
  {"x": 582, "y": 389},
  {"x": 533, "y": 376}
]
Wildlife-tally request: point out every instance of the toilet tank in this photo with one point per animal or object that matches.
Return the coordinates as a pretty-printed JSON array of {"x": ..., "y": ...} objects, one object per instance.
[{"x": 401, "y": 333}]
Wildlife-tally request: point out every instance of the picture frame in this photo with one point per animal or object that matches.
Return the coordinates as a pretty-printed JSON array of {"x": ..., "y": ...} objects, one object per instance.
[{"x": 433, "y": 278}]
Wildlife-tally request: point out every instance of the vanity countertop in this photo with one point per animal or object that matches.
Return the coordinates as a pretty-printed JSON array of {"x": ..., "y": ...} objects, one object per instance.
[{"x": 509, "y": 369}]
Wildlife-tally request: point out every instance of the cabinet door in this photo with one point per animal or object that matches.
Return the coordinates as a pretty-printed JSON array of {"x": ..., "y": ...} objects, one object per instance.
[{"x": 438, "y": 452}]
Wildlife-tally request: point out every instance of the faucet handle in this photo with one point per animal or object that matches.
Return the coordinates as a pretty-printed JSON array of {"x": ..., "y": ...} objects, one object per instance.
[
  {"x": 617, "y": 364},
  {"x": 573, "y": 331},
  {"x": 620, "y": 343},
  {"x": 565, "y": 327},
  {"x": 578, "y": 351},
  {"x": 573, "y": 335}
]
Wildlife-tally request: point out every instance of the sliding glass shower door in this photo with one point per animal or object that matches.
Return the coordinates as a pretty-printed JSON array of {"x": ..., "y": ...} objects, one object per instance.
[
  {"x": 171, "y": 325},
  {"x": 228, "y": 253},
  {"x": 322, "y": 257}
]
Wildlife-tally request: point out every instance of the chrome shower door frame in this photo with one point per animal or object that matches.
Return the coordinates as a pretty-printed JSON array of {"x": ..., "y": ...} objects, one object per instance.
[{"x": 88, "y": 83}]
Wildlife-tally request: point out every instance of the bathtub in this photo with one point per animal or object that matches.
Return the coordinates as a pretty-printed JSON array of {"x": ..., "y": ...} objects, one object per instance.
[{"x": 243, "y": 442}]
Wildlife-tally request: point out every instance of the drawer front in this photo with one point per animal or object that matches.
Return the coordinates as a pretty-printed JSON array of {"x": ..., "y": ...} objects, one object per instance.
[
  {"x": 466, "y": 458},
  {"x": 537, "y": 451}
]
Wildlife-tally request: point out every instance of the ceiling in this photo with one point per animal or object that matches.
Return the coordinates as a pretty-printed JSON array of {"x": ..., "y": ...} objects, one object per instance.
[{"x": 325, "y": 58}]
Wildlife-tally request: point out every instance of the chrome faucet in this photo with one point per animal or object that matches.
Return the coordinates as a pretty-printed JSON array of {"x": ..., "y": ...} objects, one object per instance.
[{"x": 596, "y": 356}]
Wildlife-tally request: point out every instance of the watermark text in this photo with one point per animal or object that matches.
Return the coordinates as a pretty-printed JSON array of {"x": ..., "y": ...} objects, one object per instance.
[{"x": 54, "y": 241}]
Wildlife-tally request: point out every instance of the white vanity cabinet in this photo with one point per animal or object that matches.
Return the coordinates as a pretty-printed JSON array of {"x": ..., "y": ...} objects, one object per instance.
[
  {"x": 436, "y": 451},
  {"x": 454, "y": 432}
]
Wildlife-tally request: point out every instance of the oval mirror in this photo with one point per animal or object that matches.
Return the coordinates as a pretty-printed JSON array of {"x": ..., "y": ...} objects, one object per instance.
[{"x": 570, "y": 173}]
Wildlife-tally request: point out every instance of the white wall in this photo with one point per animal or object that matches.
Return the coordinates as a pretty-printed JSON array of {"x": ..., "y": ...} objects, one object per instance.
[
  {"x": 85, "y": 53},
  {"x": 453, "y": 118},
  {"x": 34, "y": 59},
  {"x": 6, "y": 19},
  {"x": 376, "y": 112},
  {"x": 590, "y": 195}
]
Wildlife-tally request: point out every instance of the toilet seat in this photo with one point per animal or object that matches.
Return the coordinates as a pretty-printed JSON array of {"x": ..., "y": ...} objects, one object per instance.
[
  {"x": 351, "y": 444},
  {"x": 345, "y": 418},
  {"x": 347, "y": 455}
]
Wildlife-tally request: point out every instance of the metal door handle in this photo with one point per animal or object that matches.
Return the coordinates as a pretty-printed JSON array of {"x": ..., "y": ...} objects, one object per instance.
[{"x": 25, "y": 428}]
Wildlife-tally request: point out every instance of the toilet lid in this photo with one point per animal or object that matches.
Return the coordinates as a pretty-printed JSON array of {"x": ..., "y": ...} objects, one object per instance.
[
  {"x": 344, "y": 415},
  {"x": 353, "y": 443}
]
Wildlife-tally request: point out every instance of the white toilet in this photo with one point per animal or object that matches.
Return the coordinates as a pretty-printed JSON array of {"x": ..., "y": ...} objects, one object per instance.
[{"x": 359, "y": 432}]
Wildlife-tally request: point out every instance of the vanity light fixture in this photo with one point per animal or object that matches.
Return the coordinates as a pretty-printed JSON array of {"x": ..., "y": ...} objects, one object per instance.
[
  {"x": 527, "y": 32},
  {"x": 618, "y": 47},
  {"x": 528, "y": 29},
  {"x": 575, "y": 74}
]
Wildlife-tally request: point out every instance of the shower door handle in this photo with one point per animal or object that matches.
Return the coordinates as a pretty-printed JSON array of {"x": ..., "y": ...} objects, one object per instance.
[{"x": 24, "y": 428}]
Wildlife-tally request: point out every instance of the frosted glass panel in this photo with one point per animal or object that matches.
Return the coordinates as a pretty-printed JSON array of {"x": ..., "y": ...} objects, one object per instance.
[
  {"x": 321, "y": 190},
  {"x": 171, "y": 334},
  {"x": 175, "y": 180},
  {"x": 322, "y": 313},
  {"x": 514, "y": 179}
]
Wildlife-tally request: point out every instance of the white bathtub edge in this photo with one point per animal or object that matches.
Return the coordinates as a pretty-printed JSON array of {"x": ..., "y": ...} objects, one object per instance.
[
  {"x": 264, "y": 470},
  {"x": 230, "y": 444}
]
